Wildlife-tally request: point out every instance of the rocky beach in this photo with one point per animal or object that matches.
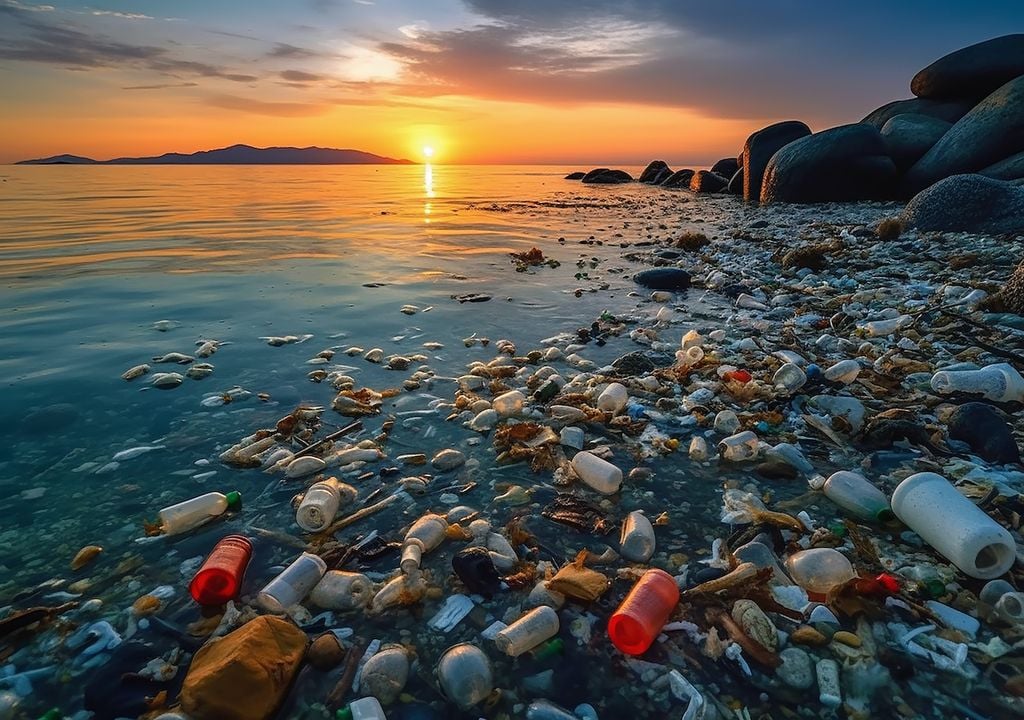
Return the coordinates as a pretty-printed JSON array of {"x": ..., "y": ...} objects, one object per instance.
[{"x": 759, "y": 459}]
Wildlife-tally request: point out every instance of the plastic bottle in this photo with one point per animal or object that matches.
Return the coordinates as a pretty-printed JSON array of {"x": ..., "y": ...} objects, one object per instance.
[
  {"x": 599, "y": 474},
  {"x": 690, "y": 356},
  {"x": 999, "y": 382},
  {"x": 184, "y": 516},
  {"x": 412, "y": 555},
  {"x": 293, "y": 584},
  {"x": 385, "y": 674},
  {"x": 1000, "y": 597},
  {"x": 698, "y": 448},
  {"x": 547, "y": 710},
  {"x": 321, "y": 503},
  {"x": 844, "y": 371},
  {"x": 613, "y": 398},
  {"x": 739, "y": 447},
  {"x": 341, "y": 590},
  {"x": 465, "y": 676},
  {"x": 818, "y": 570},
  {"x": 636, "y": 543},
  {"x": 852, "y": 492},
  {"x": 639, "y": 618},
  {"x": 691, "y": 339},
  {"x": 528, "y": 632},
  {"x": 930, "y": 506},
  {"x": 430, "y": 530},
  {"x": 509, "y": 404},
  {"x": 726, "y": 422},
  {"x": 789, "y": 377},
  {"x": 880, "y": 328},
  {"x": 367, "y": 708},
  {"x": 220, "y": 577}
]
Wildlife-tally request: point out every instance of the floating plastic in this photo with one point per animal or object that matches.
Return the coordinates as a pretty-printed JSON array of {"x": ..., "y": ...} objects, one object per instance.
[
  {"x": 820, "y": 569},
  {"x": 829, "y": 691},
  {"x": 321, "y": 502},
  {"x": 430, "y": 530},
  {"x": 999, "y": 382},
  {"x": 930, "y": 506},
  {"x": 385, "y": 674},
  {"x": 528, "y": 632},
  {"x": 367, "y": 708},
  {"x": 547, "y": 710},
  {"x": 639, "y": 618},
  {"x": 220, "y": 577},
  {"x": 637, "y": 540},
  {"x": 1001, "y": 598},
  {"x": 726, "y": 422},
  {"x": 698, "y": 448},
  {"x": 739, "y": 447},
  {"x": 293, "y": 584},
  {"x": 465, "y": 676},
  {"x": 613, "y": 398},
  {"x": 340, "y": 590},
  {"x": 855, "y": 494},
  {"x": 184, "y": 516},
  {"x": 844, "y": 371},
  {"x": 690, "y": 356},
  {"x": 599, "y": 474},
  {"x": 789, "y": 377}
]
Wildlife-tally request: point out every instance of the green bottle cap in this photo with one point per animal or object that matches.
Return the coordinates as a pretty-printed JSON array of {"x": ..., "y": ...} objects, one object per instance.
[
  {"x": 885, "y": 515},
  {"x": 234, "y": 499},
  {"x": 838, "y": 529},
  {"x": 343, "y": 714}
]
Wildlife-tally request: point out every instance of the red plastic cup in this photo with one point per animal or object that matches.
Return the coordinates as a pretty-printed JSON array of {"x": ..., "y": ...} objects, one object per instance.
[
  {"x": 638, "y": 620},
  {"x": 220, "y": 577}
]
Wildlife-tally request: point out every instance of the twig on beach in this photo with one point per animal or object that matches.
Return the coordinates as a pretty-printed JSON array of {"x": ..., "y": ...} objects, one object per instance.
[
  {"x": 351, "y": 427},
  {"x": 364, "y": 513}
]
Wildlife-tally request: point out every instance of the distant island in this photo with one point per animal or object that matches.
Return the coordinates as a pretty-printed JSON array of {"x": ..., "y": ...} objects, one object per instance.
[{"x": 236, "y": 155}]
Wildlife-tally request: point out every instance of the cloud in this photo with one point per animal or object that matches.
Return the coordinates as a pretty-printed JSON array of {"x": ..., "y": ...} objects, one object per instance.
[
  {"x": 414, "y": 30},
  {"x": 262, "y": 107},
  {"x": 160, "y": 86},
  {"x": 284, "y": 50},
  {"x": 299, "y": 76},
  {"x": 122, "y": 15}
]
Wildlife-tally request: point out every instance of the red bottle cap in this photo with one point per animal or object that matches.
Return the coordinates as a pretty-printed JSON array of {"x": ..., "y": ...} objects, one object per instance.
[
  {"x": 740, "y": 376},
  {"x": 638, "y": 620},
  {"x": 220, "y": 577}
]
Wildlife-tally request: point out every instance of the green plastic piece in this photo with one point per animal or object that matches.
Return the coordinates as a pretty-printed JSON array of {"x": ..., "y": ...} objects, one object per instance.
[
  {"x": 52, "y": 714},
  {"x": 549, "y": 649},
  {"x": 234, "y": 499},
  {"x": 343, "y": 714},
  {"x": 838, "y": 529}
]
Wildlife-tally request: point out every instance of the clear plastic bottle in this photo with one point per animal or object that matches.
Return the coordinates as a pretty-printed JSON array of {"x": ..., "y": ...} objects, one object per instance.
[
  {"x": 528, "y": 632},
  {"x": 637, "y": 541},
  {"x": 698, "y": 448},
  {"x": 999, "y": 382},
  {"x": 465, "y": 676},
  {"x": 184, "y": 516},
  {"x": 293, "y": 584},
  {"x": 726, "y": 422},
  {"x": 341, "y": 590},
  {"x": 855, "y": 494},
  {"x": 739, "y": 447},
  {"x": 880, "y": 328},
  {"x": 321, "y": 502},
  {"x": 818, "y": 570},
  {"x": 790, "y": 377},
  {"x": 367, "y": 708}
]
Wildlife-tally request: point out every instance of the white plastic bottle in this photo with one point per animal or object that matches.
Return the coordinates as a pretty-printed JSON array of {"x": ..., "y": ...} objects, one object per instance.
[
  {"x": 844, "y": 371},
  {"x": 613, "y": 398},
  {"x": 957, "y": 528},
  {"x": 999, "y": 382},
  {"x": 293, "y": 584},
  {"x": 341, "y": 590},
  {"x": 637, "y": 540},
  {"x": 321, "y": 503},
  {"x": 184, "y": 516},
  {"x": 367, "y": 708},
  {"x": 855, "y": 494},
  {"x": 528, "y": 632},
  {"x": 430, "y": 531},
  {"x": 739, "y": 447},
  {"x": 599, "y": 474},
  {"x": 690, "y": 356}
]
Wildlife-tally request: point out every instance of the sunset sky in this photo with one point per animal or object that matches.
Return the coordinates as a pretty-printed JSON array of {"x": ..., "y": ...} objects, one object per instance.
[{"x": 573, "y": 82}]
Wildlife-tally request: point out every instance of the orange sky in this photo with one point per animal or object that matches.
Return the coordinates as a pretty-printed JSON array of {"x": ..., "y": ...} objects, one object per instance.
[{"x": 481, "y": 81}]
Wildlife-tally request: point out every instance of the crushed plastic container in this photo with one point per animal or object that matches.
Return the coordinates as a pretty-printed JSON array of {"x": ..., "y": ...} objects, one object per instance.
[
  {"x": 642, "y": 614},
  {"x": 790, "y": 377},
  {"x": 599, "y": 474},
  {"x": 1004, "y": 601},
  {"x": 930, "y": 506},
  {"x": 855, "y": 494},
  {"x": 321, "y": 502},
  {"x": 999, "y": 382},
  {"x": 293, "y": 584},
  {"x": 185, "y": 516},
  {"x": 220, "y": 577},
  {"x": 367, "y": 708},
  {"x": 637, "y": 542},
  {"x": 819, "y": 570},
  {"x": 528, "y": 632},
  {"x": 739, "y": 447}
]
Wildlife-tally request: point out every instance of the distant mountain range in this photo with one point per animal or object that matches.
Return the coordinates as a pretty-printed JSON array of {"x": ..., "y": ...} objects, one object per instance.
[{"x": 236, "y": 155}]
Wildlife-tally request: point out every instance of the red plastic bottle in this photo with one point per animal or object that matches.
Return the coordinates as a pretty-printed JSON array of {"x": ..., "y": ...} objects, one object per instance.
[
  {"x": 220, "y": 577},
  {"x": 638, "y": 620}
]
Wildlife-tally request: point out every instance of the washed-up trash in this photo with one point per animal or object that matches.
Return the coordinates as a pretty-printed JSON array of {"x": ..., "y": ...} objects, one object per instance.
[
  {"x": 220, "y": 576},
  {"x": 385, "y": 674},
  {"x": 341, "y": 590},
  {"x": 640, "y": 617},
  {"x": 293, "y": 584},
  {"x": 999, "y": 382},
  {"x": 528, "y": 632},
  {"x": 455, "y": 608},
  {"x": 852, "y": 492},
  {"x": 579, "y": 582},
  {"x": 476, "y": 570},
  {"x": 190, "y": 514},
  {"x": 465, "y": 676},
  {"x": 321, "y": 503}
]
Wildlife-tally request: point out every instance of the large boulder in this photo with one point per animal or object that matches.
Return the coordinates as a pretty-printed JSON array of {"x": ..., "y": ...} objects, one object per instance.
[
  {"x": 680, "y": 178},
  {"x": 991, "y": 131},
  {"x": 972, "y": 72},
  {"x": 948, "y": 110},
  {"x": 735, "y": 186},
  {"x": 1011, "y": 168},
  {"x": 726, "y": 167},
  {"x": 655, "y": 170},
  {"x": 666, "y": 278},
  {"x": 1011, "y": 295},
  {"x": 246, "y": 674},
  {"x": 706, "y": 181},
  {"x": 849, "y": 162},
  {"x": 578, "y": 175},
  {"x": 968, "y": 203},
  {"x": 606, "y": 176},
  {"x": 759, "y": 148},
  {"x": 909, "y": 136}
]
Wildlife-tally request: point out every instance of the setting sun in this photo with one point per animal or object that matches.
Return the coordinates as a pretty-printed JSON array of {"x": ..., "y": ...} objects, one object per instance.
[{"x": 428, "y": 152}]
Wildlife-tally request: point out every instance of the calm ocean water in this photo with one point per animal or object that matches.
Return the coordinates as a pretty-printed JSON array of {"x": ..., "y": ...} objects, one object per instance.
[{"x": 92, "y": 257}]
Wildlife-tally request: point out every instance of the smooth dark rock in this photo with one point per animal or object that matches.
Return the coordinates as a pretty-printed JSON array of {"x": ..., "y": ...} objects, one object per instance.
[
  {"x": 909, "y": 136},
  {"x": 735, "y": 186},
  {"x": 705, "y": 181},
  {"x": 662, "y": 176},
  {"x": 985, "y": 430},
  {"x": 476, "y": 571},
  {"x": 708, "y": 573},
  {"x": 680, "y": 178},
  {"x": 655, "y": 169},
  {"x": 972, "y": 72},
  {"x": 991, "y": 131},
  {"x": 663, "y": 279},
  {"x": 726, "y": 167},
  {"x": 634, "y": 363},
  {"x": 948, "y": 110},
  {"x": 759, "y": 149},
  {"x": 578, "y": 175},
  {"x": 776, "y": 470},
  {"x": 845, "y": 163},
  {"x": 968, "y": 203},
  {"x": 1011, "y": 168},
  {"x": 606, "y": 177}
]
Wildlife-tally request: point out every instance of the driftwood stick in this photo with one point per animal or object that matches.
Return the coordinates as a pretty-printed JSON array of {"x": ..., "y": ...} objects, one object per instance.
[
  {"x": 352, "y": 427},
  {"x": 361, "y": 514},
  {"x": 344, "y": 684}
]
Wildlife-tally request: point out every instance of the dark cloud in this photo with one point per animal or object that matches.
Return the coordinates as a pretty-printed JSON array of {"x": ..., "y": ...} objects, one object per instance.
[
  {"x": 262, "y": 107},
  {"x": 298, "y": 76},
  {"x": 32, "y": 37},
  {"x": 284, "y": 50},
  {"x": 160, "y": 86}
]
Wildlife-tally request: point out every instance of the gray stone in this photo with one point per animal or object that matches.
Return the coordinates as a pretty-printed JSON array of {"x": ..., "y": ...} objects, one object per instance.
[
  {"x": 991, "y": 131},
  {"x": 680, "y": 178},
  {"x": 986, "y": 431},
  {"x": 578, "y": 175},
  {"x": 663, "y": 279},
  {"x": 849, "y": 162},
  {"x": 1011, "y": 168},
  {"x": 759, "y": 149},
  {"x": 972, "y": 72},
  {"x": 968, "y": 203},
  {"x": 706, "y": 181},
  {"x": 604, "y": 176},
  {"x": 796, "y": 669},
  {"x": 909, "y": 136},
  {"x": 948, "y": 110},
  {"x": 653, "y": 170},
  {"x": 726, "y": 167}
]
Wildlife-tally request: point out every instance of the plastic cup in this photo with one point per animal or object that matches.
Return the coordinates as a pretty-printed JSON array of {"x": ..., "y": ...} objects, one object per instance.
[
  {"x": 638, "y": 620},
  {"x": 220, "y": 577}
]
